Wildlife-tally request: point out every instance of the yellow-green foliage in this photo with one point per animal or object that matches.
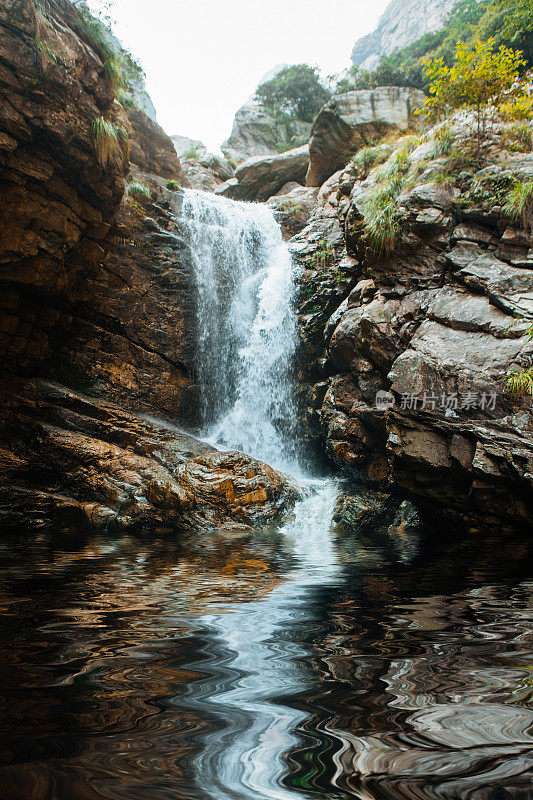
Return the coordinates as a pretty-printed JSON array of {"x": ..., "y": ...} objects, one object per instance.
[
  {"x": 480, "y": 79},
  {"x": 519, "y": 138},
  {"x": 138, "y": 191},
  {"x": 519, "y": 204},
  {"x": 380, "y": 210},
  {"x": 110, "y": 141},
  {"x": 173, "y": 185}
]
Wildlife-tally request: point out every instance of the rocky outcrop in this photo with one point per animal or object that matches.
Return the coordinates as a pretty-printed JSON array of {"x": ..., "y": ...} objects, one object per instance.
[
  {"x": 151, "y": 149},
  {"x": 433, "y": 325},
  {"x": 70, "y": 461},
  {"x": 352, "y": 120},
  {"x": 203, "y": 170},
  {"x": 403, "y": 22},
  {"x": 260, "y": 178},
  {"x": 255, "y": 133},
  {"x": 207, "y": 172}
]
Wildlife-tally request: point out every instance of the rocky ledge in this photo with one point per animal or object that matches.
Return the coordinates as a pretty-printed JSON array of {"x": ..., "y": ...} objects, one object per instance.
[{"x": 69, "y": 460}]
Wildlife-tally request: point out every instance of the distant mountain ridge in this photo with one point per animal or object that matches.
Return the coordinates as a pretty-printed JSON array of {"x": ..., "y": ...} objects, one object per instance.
[{"x": 402, "y": 22}]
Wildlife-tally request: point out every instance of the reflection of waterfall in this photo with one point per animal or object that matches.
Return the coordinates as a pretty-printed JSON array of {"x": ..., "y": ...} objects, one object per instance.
[
  {"x": 246, "y": 326},
  {"x": 253, "y": 663},
  {"x": 246, "y": 344}
]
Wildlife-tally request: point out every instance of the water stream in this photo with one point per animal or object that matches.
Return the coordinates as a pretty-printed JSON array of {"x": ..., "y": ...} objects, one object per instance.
[{"x": 283, "y": 664}]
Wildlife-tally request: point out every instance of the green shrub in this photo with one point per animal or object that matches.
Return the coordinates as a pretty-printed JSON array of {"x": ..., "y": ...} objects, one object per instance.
[
  {"x": 492, "y": 186},
  {"x": 192, "y": 153},
  {"x": 138, "y": 191},
  {"x": 368, "y": 157},
  {"x": 519, "y": 205},
  {"x": 110, "y": 141},
  {"x": 173, "y": 185}
]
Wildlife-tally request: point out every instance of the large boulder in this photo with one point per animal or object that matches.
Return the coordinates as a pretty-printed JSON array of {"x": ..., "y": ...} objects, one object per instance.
[
  {"x": 351, "y": 120},
  {"x": 260, "y": 178}
]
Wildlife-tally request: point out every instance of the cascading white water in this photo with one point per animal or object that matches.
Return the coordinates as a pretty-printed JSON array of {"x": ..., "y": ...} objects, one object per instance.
[
  {"x": 246, "y": 326},
  {"x": 247, "y": 337}
]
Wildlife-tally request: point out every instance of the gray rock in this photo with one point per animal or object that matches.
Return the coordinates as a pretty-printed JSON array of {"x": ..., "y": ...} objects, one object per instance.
[
  {"x": 255, "y": 133},
  {"x": 351, "y": 120},
  {"x": 183, "y": 146},
  {"x": 260, "y": 178}
]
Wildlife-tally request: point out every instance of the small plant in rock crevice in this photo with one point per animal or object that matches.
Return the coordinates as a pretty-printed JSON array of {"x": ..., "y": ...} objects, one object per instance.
[
  {"x": 110, "y": 141},
  {"x": 138, "y": 191},
  {"x": 519, "y": 383},
  {"x": 323, "y": 254},
  {"x": 173, "y": 185}
]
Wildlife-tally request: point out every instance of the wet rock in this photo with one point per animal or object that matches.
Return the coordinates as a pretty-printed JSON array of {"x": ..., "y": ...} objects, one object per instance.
[
  {"x": 379, "y": 521},
  {"x": 72, "y": 460}
]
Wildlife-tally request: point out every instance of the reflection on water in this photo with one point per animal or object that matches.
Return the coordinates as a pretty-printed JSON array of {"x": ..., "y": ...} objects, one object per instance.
[{"x": 236, "y": 668}]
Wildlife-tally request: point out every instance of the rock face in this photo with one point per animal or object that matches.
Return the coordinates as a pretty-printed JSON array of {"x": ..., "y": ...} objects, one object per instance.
[
  {"x": 255, "y": 134},
  {"x": 434, "y": 325},
  {"x": 260, "y": 178},
  {"x": 403, "y": 22},
  {"x": 352, "y": 120},
  {"x": 98, "y": 295},
  {"x": 57, "y": 202},
  {"x": 84, "y": 462}
]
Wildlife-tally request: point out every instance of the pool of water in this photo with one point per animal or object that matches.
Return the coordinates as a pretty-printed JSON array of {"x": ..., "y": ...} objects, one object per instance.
[{"x": 211, "y": 666}]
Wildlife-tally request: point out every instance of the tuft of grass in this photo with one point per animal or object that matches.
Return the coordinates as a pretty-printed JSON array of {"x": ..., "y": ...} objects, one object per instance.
[
  {"x": 323, "y": 255},
  {"x": 368, "y": 157},
  {"x": 519, "y": 205},
  {"x": 519, "y": 383},
  {"x": 173, "y": 185},
  {"x": 110, "y": 141},
  {"x": 380, "y": 210},
  {"x": 444, "y": 141},
  {"x": 138, "y": 191}
]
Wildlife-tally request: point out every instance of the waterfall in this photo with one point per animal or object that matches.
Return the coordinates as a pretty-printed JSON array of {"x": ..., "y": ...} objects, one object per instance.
[
  {"x": 247, "y": 338},
  {"x": 247, "y": 328}
]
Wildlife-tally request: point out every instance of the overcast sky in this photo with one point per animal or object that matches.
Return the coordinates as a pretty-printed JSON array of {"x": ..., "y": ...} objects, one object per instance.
[{"x": 204, "y": 58}]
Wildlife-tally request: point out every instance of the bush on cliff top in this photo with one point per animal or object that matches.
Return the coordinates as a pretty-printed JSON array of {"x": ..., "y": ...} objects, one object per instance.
[{"x": 295, "y": 93}]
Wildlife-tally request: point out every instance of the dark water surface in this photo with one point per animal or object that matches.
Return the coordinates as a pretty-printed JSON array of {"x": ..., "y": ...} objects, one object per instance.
[{"x": 212, "y": 667}]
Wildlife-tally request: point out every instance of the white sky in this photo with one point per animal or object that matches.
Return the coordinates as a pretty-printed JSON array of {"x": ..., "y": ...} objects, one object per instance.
[{"x": 203, "y": 59}]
